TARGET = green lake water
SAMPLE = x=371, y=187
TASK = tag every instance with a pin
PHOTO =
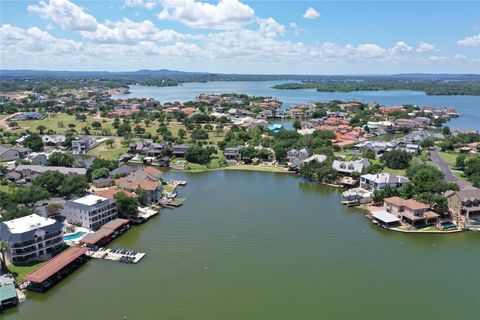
x=252, y=245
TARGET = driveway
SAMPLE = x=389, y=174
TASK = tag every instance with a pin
x=443, y=165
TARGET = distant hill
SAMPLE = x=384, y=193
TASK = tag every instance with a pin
x=185, y=76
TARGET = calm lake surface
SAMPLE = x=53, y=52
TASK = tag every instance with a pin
x=252, y=245
x=469, y=106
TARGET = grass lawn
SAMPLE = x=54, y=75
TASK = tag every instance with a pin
x=105, y=152
x=5, y=188
x=21, y=271
x=249, y=167
x=448, y=157
x=3, y=116
x=398, y=172
x=58, y=122
x=460, y=175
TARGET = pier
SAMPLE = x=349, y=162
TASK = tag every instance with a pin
x=120, y=255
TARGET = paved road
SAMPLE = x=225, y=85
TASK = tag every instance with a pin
x=443, y=165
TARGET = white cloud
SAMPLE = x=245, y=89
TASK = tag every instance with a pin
x=270, y=28
x=473, y=41
x=149, y=5
x=66, y=14
x=226, y=14
x=130, y=32
x=311, y=13
x=401, y=47
x=425, y=47
x=295, y=28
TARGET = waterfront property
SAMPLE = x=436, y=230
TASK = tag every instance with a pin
x=50, y=273
x=149, y=179
x=466, y=203
x=412, y=212
x=31, y=238
x=385, y=219
x=8, y=292
x=25, y=170
x=349, y=167
x=90, y=211
x=381, y=181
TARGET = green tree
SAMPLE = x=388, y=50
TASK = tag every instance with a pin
x=126, y=205
x=197, y=154
x=182, y=133
x=100, y=173
x=460, y=161
x=397, y=159
x=34, y=142
x=60, y=159
x=297, y=125
x=50, y=181
x=74, y=185
x=41, y=128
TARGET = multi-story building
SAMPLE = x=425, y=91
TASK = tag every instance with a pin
x=90, y=212
x=32, y=238
x=411, y=211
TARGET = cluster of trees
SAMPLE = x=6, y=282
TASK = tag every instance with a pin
x=20, y=200
x=430, y=87
x=397, y=159
x=197, y=154
x=319, y=172
x=459, y=140
x=470, y=167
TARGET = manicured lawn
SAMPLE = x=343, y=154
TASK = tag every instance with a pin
x=22, y=271
x=5, y=188
x=105, y=152
x=398, y=172
x=460, y=175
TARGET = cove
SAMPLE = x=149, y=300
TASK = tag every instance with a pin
x=256, y=245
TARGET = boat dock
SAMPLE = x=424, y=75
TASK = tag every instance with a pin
x=120, y=255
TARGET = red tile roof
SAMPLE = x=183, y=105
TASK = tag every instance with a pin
x=54, y=265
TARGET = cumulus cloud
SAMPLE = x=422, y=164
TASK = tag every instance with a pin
x=131, y=32
x=66, y=14
x=473, y=41
x=311, y=13
x=295, y=28
x=226, y=14
x=425, y=47
x=401, y=47
x=140, y=4
x=270, y=28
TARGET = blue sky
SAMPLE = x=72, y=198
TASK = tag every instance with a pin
x=314, y=37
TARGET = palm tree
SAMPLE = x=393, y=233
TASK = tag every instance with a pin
x=3, y=249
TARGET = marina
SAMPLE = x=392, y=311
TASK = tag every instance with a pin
x=119, y=255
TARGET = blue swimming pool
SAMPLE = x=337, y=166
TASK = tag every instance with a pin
x=74, y=236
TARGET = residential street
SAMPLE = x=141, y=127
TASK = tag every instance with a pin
x=443, y=165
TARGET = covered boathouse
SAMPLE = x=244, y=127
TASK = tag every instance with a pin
x=55, y=269
x=106, y=233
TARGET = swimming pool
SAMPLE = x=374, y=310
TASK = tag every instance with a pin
x=74, y=236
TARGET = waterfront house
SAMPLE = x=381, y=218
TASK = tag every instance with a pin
x=349, y=167
x=300, y=155
x=381, y=181
x=357, y=195
x=179, y=150
x=90, y=211
x=31, y=238
x=149, y=179
x=8, y=292
x=466, y=203
x=318, y=158
x=411, y=211
x=233, y=153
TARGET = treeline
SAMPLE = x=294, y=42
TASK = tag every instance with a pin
x=44, y=85
x=430, y=87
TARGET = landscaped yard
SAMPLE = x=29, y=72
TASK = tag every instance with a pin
x=448, y=157
x=398, y=172
x=105, y=152
x=22, y=271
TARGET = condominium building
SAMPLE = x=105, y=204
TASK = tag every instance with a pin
x=90, y=212
x=32, y=238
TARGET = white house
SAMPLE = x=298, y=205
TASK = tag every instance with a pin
x=90, y=212
x=348, y=167
x=32, y=238
x=381, y=181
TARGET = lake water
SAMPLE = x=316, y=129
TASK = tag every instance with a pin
x=252, y=245
x=469, y=106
